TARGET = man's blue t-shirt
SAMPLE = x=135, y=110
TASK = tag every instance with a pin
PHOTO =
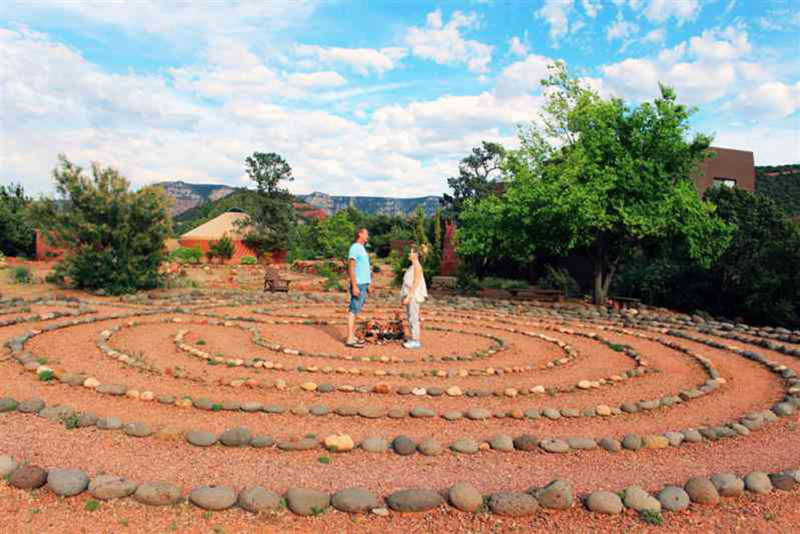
x=363, y=272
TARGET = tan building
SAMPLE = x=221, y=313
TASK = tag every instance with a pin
x=730, y=168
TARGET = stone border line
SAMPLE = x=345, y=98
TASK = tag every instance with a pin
x=302, y=501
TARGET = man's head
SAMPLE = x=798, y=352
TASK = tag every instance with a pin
x=362, y=234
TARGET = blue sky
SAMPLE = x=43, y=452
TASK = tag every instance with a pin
x=378, y=98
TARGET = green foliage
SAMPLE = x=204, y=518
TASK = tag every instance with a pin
x=466, y=279
x=71, y=422
x=91, y=505
x=494, y=282
x=559, y=278
x=114, y=237
x=782, y=185
x=46, y=376
x=651, y=517
x=477, y=177
x=17, y=236
x=333, y=280
x=599, y=177
x=324, y=459
x=272, y=214
x=334, y=235
x=186, y=255
x=21, y=274
x=756, y=278
x=222, y=249
x=399, y=262
x=420, y=236
x=249, y=260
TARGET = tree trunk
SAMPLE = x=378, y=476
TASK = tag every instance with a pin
x=600, y=286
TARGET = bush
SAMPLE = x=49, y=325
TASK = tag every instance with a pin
x=187, y=255
x=17, y=236
x=21, y=275
x=333, y=280
x=222, y=249
x=466, y=279
x=399, y=262
x=249, y=260
x=559, y=278
x=114, y=237
x=493, y=282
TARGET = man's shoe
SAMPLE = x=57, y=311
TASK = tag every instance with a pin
x=412, y=344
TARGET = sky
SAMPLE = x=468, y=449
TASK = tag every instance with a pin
x=367, y=98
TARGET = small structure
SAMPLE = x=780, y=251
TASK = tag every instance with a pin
x=228, y=224
x=730, y=168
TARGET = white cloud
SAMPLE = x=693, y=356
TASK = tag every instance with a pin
x=632, y=78
x=444, y=44
x=523, y=76
x=773, y=100
x=326, y=78
x=682, y=10
x=517, y=46
x=621, y=29
x=555, y=13
x=725, y=45
x=655, y=36
x=591, y=7
x=361, y=60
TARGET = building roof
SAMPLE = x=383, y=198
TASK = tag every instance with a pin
x=217, y=227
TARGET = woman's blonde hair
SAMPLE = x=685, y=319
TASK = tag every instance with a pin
x=420, y=250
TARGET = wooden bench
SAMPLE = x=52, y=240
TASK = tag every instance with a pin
x=274, y=282
x=626, y=302
x=551, y=295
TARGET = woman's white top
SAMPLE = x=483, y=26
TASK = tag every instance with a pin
x=408, y=283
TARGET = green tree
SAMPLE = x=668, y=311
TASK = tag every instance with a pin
x=114, y=237
x=271, y=215
x=599, y=177
x=420, y=236
x=477, y=177
x=334, y=236
x=222, y=248
x=17, y=236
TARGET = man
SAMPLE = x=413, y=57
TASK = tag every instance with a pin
x=360, y=278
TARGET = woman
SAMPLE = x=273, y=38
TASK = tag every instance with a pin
x=414, y=292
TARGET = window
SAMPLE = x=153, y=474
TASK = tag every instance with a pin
x=724, y=182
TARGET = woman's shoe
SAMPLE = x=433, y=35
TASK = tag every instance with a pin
x=412, y=344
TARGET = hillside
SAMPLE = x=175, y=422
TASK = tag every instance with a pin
x=782, y=184
x=188, y=196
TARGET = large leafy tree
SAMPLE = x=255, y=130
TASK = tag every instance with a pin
x=114, y=237
x=598, y=176
x=17, y=236
x=271, y=216
x=477, y=177
x=334, y=235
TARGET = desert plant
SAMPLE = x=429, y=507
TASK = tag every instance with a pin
x=222, y=249
x=21, y=274
x=187, y=255
x=249, y=260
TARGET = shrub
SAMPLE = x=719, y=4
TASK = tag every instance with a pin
x=114, y=236
x=17, y=236
x=249, y=260
x=332, y=277
x=493, y=282
x=187, y=255
x=21, y=274
x=222, y=249
x=559, y=278
x=466, y=280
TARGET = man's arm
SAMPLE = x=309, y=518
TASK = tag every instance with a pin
x=352, y=271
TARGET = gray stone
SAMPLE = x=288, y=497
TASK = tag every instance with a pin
x=251, y=406
x=673, y=498
x=557, y=495
x=56, y=413
x=675, y=438
x=452, y=415
x=526, y=442
x=67, y=482
x=403, y=445
x=28, y=477
x=7, y=404
x=414, y=500
x=201, y=438
x=784, y=409
x=691, y=435
x=422, y=412
x=116, y=390
x=465, y=446
x=86, y=420
x=430, y=447
x=354, y=500
x=236, y=437
x=554, y=445
x=158, y=494
x=478, y=414
x=583, y=444
x=374, y=444
x=257, y=499
x=465, y=497
x=31, y=406
x=7, y=465
x=307, y=501
x=610, y=444
x=728, y=485
x=261, y=441
x=758, y=482
x=502, y=443
x=783, y=481
x=137, y=429
x=551, y=413
x=513, y=504
x=604, y=502
x=213, y=497
x=108, y=487
x=639, y=500
x=702, y=491
x=109, y=423
x=302, y=444
x=632, y=442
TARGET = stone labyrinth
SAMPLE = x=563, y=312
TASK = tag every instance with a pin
x=509, y=409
